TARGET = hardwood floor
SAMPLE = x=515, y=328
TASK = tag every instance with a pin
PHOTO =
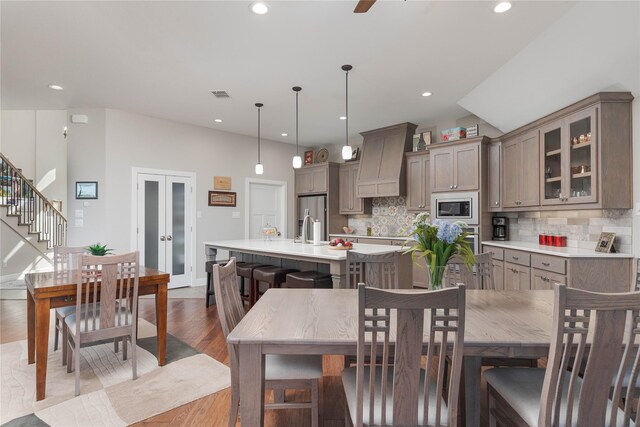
x=192, y=322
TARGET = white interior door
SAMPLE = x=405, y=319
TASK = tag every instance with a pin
x=267, y=205
x=165, y=225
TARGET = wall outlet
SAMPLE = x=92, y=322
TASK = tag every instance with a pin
x=235, y=215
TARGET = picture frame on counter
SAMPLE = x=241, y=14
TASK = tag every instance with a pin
x=222, y=198
x=421, y=141
x=605, y=242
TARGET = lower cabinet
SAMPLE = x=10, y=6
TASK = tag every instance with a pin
x=516, y=277
x=498, y=274
x=541, y=279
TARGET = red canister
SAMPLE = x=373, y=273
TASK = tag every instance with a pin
x=548, y=240
x=561, y=241
x=557, y=240
x=542, y=239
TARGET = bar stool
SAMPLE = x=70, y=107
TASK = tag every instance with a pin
x=274, y=276
x=308, y=279
x=208, y=267
x=245, y=270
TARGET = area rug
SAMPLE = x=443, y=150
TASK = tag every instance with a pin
x=108, y=395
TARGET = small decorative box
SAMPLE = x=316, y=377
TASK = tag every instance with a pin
x=453, y=134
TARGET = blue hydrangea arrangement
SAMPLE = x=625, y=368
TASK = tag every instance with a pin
x=436, y=242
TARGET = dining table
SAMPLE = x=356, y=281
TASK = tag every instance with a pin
x=499, y=324
x=47, y=290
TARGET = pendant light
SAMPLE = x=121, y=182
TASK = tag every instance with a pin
x=259, y=168
x=346, y=150
x=297, y=160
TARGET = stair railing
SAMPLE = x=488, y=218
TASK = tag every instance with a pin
x=23, y=200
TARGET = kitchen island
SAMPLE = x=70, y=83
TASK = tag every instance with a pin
x=304, y=257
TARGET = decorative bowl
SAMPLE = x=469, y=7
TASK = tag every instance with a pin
x=348, y=230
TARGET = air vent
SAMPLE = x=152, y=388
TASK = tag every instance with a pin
x=220, y=93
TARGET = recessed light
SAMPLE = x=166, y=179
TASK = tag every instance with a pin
x=284, y=134
x=343, y=117
x=502, y=7
x=259, y=8
x=218, y=120
x=426, y=94
x=55, y=87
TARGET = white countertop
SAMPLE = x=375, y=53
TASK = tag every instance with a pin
x=286, y=247
x=566, y=252
x=364, y=236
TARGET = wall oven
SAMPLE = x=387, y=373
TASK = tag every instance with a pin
x=459, y=206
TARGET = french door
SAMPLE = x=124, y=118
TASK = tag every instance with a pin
x=164, y=231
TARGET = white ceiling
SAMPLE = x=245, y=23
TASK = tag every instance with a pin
x=162, y=59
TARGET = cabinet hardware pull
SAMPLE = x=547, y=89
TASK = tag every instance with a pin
x=496, y=203
x=546, y=263
x=451, y=187
x=515, y=257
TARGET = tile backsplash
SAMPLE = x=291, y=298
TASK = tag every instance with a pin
x=389, y=217
x=582, y=228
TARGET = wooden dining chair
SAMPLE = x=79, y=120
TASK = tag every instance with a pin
x=114, y=279
x=458, y=272
x=375, y=270
x=557, y=396
x=64, y=261
x=282, y=372
x=401, y=393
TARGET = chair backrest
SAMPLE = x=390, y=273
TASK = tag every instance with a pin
x=637, y=286
x=612, y=322
x=375, y=270
x=458, y=272
x=65, y=259
x=377, y=323
x=114, y=278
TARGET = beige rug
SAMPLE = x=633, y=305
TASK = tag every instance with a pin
x=108, y=396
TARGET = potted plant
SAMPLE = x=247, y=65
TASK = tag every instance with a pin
x=99, y=250
x=437, y=242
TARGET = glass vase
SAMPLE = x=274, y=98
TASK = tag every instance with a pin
x=436, y=276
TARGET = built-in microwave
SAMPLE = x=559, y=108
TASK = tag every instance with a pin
x=459, y=206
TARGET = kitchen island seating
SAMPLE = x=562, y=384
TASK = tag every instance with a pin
x=400, y=392
x=115, y=278
x=308, y=279
x=272, y=275
x=375, y=270
x=281, y=371
x=556, y=396
x=245, y=272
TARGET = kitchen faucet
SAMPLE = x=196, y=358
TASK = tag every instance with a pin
x=305, y=222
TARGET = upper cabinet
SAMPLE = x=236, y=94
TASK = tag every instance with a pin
x=456, y=166
x=569, y=159
x=494, y=164
x=312, y=179
x=382, y=168
x=579, y=157
x=520, y=171
x=418, y=181
x=349, y=203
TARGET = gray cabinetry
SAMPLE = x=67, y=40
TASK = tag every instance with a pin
x=521, y=171
x=418, y=182
x=494, y=163
x=349, y=203
x=456, y=166
x=312, y=179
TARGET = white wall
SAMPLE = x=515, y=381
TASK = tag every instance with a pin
x=106, y=150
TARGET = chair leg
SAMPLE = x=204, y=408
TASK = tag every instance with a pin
x=134, y=364
x=124, y=348
x=208, y=288
x=55, y=338
x=492, y=410
x=65, y=338
x=314, y=403
x=348, y=422
x=69, y=356
x=235, y=405
x=77, y=366
x=115, y=345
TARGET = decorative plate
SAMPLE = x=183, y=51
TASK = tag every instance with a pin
x=322, y=155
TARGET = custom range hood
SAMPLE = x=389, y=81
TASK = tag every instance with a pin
x=382, y=166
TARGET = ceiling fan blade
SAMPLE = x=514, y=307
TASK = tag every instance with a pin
x=363, y=6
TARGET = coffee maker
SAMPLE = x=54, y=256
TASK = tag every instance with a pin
x=500, y=228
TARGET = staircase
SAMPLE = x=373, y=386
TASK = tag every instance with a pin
x=28, y=212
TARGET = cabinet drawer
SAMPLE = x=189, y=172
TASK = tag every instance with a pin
x=517, y=257
x=374, y=241
x=549, y=263
x=496, y=253
x=541, y=279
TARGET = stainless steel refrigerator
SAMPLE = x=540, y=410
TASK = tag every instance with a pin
x=317, y=206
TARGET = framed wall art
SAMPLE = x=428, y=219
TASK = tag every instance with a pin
x=222, y=198
x=86, y=189
x=308, y=157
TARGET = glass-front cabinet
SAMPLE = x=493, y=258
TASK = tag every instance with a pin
x=568, y=158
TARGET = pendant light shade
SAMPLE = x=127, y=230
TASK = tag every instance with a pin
x=346, y=149
x=297, y=160
x=259, y=167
